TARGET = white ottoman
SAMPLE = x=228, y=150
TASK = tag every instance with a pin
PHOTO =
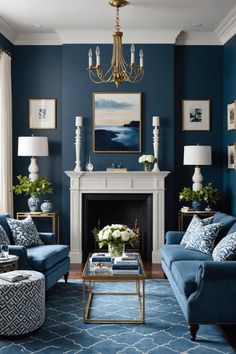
x=22, y=304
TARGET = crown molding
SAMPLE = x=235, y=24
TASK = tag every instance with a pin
x=198, y=38
x=7, y=31
x=38, y=39
x=227, y=28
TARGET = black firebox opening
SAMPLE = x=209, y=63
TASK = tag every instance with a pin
x=106, y=209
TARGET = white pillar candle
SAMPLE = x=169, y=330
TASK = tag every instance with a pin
x=155, y=121
x=78, y=121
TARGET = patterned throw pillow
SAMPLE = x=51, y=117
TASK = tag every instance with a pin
x=226, y=248
x=203, y=238
x=195, y=222
x=3, y=236
x=24, y=232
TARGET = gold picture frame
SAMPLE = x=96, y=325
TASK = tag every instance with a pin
x=231, y=116
x=117, y=122
x=232, y=156
x=42, y=113
x=195, y=115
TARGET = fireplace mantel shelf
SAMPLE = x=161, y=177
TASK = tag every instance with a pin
x=116, y=182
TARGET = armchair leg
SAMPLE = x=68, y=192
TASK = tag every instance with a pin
x=193, y=328
x=66, y=276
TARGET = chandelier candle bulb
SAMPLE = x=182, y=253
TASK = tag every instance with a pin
x=141, y=58
x=155, y=120
x=132, y=51
x=90, y=58
x=97, y=56
x=78, y=121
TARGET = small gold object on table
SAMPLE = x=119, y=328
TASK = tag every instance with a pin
x=8, y=263
x=91, y=275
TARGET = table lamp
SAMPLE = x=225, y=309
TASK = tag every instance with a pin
x=33, y=146
x=197, y=155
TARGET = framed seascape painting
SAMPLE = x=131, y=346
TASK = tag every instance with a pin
x=232, y=156
x=231, y=116
x=117, y=122
x=42, y=113
x=196, y=115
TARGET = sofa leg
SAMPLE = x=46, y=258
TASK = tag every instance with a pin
x=193, y=328
x=66, y=276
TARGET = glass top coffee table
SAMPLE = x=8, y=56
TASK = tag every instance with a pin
x=95, y=275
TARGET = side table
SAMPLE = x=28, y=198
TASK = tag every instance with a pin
x=54, y=217
x=9, y=264
x=186, y=216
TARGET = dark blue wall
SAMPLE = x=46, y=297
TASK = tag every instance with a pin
x=229, y=137
x=198, y=75
x=6, y=44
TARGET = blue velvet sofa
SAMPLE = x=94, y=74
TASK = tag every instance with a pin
x=50, y=259
x=204, y=289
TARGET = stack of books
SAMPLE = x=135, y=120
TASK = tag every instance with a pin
x=14, y=277
x=185, y=209
x=125, y=265
x=101, y=259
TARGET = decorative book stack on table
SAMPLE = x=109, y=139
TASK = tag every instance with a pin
x=128, y=264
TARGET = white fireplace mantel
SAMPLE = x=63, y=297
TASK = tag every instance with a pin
x=116, y=182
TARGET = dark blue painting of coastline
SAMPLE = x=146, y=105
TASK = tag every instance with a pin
x=117, y=138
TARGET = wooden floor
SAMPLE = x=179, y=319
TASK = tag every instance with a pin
x=154, y=271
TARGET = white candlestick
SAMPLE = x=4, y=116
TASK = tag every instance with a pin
x=155, y=121
x=155, y=146
x=77, y=148
x=78, y=121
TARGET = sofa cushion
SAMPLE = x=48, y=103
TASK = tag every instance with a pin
x=3, y=237
x=45, y=257
x=232, y=229
x=228, y=221
x=203, y=238
x=172, y=253
x=226, y=248
x=194, y=223
x=184, y=273
x=24, y=232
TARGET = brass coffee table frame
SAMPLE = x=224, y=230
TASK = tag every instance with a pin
x=89, y=292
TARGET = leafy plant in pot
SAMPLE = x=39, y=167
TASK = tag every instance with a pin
x=207, y=194
x=32, y=188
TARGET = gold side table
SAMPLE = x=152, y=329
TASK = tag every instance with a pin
x=186, y=216
x=37, y=214
x=9, y=264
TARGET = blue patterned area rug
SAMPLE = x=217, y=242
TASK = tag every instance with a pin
x=165, y=330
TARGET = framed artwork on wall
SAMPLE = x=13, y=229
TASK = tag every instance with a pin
x=195, y=115
x=231, y=115
x=117, y=122
x=232, y=156
x=42, y=113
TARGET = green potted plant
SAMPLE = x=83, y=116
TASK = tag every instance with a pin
x=208, y=194
x=211, y=195
x=32, y=188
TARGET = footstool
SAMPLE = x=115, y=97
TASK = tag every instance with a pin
x=22, y=304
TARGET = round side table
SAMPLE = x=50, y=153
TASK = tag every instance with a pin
x=9, y=264
x=22, y=304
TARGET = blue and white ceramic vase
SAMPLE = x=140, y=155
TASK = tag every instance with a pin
x=46, y=206
x=33, y=203
x=196, y=205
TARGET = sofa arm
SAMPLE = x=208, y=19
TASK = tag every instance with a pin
x=174, y=237
x=217, y=271
x=48, y=238
x=20, y=251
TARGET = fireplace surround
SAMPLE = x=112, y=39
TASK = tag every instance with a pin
x=120, y=183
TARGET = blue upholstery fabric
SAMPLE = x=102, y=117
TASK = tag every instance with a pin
x=172, y=253
x=184, y=273
x=174, y=237
x=227, y=220
x=3, y=222
x=232, y=229
x=43, y=258
x=3, y=237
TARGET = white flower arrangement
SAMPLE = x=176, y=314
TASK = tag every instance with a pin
x=115, y=234
x=148, y=159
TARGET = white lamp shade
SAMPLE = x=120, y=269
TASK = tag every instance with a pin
x=197, y=155
x=32, y=146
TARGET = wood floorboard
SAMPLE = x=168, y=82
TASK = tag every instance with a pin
x=154, y=271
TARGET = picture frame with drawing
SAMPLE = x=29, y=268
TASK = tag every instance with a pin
x=195, y=115
x=232, y=156
x=231, y=115
x=42, y=113
x=117, y=122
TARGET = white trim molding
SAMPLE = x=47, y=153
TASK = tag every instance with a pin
x=7, y=31
x=123, y=182
x=227, y=28
x=198, y=38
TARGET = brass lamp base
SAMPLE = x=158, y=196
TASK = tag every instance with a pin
x=118, y=3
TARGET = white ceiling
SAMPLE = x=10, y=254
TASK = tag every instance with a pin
x=147, y=21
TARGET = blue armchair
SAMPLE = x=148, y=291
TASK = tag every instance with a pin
x=50, y=259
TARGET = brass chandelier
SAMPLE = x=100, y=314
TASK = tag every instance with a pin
x=119, y=71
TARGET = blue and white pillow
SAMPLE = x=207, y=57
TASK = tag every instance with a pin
x=194, y=223
x=203, y=238
x=24, y=232
x=226, y=249
x=3, y=236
